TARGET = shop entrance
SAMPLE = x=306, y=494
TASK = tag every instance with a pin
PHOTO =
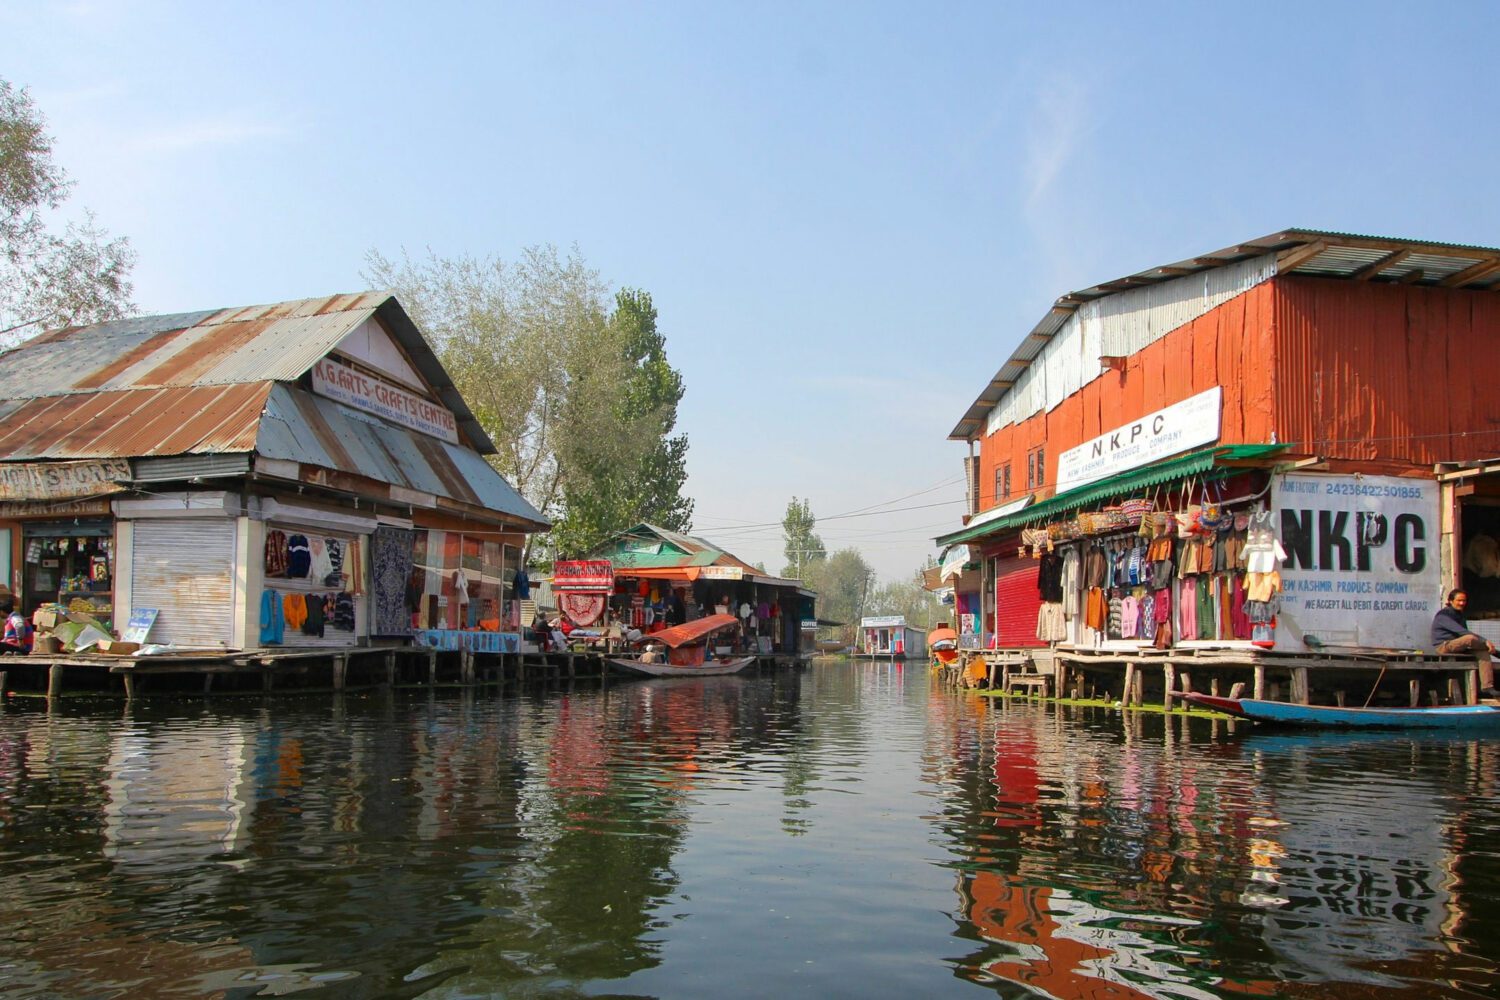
x=69, y=563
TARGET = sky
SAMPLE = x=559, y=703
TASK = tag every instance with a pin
x=848, y=214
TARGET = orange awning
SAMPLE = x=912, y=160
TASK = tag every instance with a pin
x=680, y=635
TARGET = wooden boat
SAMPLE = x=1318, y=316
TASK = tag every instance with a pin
x=1281, y=713
x=829, y=646
x=687, y=647
x=943, y=643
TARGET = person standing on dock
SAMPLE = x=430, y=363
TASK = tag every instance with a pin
x=1451, y=634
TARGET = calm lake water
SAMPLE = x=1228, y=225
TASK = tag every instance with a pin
x=848, y=830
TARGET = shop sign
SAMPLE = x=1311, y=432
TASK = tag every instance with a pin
x=583, y=574
x=883, y=621
x=47, y=508
x=721, y=573
x=344, y=384
x=1167, y=432
x=47, y=480
x=1361, y=563
x=957, y=559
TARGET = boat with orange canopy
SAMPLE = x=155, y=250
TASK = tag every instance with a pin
x=943, y=642
x=686, y=652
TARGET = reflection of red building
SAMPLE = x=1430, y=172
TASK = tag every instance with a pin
x=1016, y=782
x=1060, y=946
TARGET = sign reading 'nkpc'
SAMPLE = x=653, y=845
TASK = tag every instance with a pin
x=344, y=384
x=1168, y=431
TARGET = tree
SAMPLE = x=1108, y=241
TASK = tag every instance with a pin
x=580, y=401
x=842, y=582
x=911, y=599
x=803, y=548
x=46, y=279
x=642, y=480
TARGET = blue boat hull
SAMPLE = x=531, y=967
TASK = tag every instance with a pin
x=1465, y=717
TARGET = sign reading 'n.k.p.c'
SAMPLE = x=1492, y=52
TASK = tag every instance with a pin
x=344, y=384
x=1184, y=425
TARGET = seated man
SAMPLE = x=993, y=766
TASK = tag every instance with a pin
x=1450, y=634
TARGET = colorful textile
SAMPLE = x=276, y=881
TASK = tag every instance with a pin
x=581, y=608
x=390, y=572
x=272, y=619
x=276, y=555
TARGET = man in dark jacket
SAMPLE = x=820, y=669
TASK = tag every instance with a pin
x=1450, y=634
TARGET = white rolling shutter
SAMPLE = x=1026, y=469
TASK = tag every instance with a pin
x=184, y=567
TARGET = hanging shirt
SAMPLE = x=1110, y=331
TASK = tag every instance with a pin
x=272, y=619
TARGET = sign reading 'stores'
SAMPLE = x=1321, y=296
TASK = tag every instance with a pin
x=344, y=384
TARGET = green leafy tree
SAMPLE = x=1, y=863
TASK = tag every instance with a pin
x=803, y=547
x=843, y=582
x=641, y=479
x=911, y=598
x=579, y=399
x=49, y=279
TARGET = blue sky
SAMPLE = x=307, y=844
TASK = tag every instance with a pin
x=848, y=214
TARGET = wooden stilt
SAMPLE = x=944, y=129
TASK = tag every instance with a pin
x=129, y=687
x=1260, y=681
x=432, y=667
x=1237, y=689
x=1299, y=686
x=1139, y=694
x=1129, y=691
x=1169, y=680
x=208, y=683
x=1338, y=698
x=1184, y=682
x=55, y=680
x=1471, y=687
x=2, y=682
x=340, y=672
x=1414, y=692
x=1213, y=686
x=267, y=680
x=390, y=669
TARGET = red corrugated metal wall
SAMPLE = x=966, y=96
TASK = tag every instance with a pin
x=1392, y=373
x=1017, y=603
x=1230, y=346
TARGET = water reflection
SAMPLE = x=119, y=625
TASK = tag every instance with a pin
x=844, y=829
x=1132, y=856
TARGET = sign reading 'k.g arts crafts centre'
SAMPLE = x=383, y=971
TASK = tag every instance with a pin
x=1184, y=425
x=339, y=382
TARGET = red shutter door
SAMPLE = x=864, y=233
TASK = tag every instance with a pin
x=1017, y=603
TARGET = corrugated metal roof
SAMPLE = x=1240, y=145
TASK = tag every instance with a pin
x=134, y=423
x=313, y=430
x=267, y=343
x=1301, y=251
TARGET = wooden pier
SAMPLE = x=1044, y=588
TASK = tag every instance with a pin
x=269, y=670
x=1314, y=677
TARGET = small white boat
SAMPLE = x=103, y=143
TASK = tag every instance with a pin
x=686, y=652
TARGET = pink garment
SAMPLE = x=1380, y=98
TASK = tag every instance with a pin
x=1187, y=609
x=1163, y=608
x=1237, y=617
x=1130, y=618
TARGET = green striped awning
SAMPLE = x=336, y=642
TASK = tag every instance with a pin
x=1205, y=462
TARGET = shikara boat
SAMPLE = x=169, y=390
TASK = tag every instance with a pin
x=943, y=644
x=1470, y=717
x=687, y=649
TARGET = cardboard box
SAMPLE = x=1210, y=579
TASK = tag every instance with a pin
x=116, y=647
x=45, y=619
